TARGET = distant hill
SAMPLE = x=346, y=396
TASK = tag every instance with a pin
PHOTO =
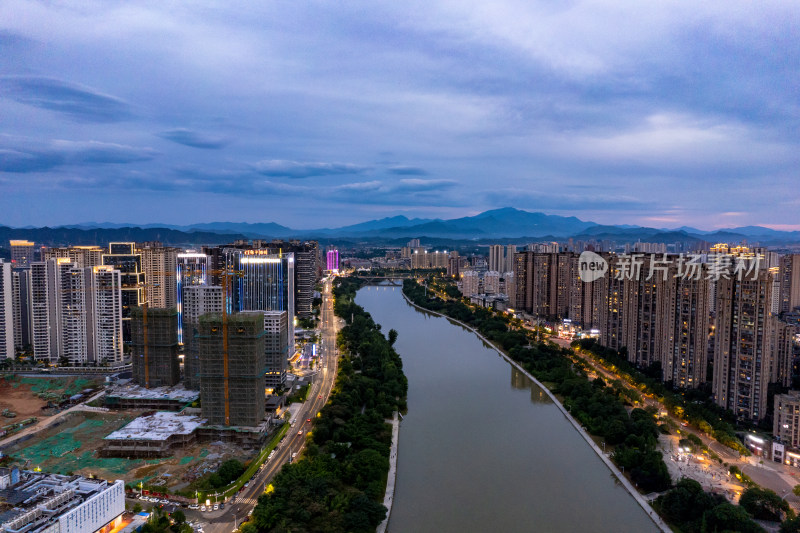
x=505, y=224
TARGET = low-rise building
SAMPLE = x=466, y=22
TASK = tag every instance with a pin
x=36, y=502
x=154, y=435
x=131, y=396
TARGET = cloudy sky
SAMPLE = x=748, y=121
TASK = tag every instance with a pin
x=316, y=114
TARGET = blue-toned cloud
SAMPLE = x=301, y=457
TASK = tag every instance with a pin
x=22, y=156
x=194, y=139
x=407, y=171
x=612, y=111
x=75, y=101
x=281, y=168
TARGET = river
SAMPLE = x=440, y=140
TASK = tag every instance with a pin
x=484, y=449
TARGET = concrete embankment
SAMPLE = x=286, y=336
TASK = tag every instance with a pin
x=606, y=460
x=388, y=497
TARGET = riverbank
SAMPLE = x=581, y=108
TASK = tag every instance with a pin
x=388, y=497
x=606, y=460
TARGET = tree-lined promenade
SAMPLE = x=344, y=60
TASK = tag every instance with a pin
x=339, y=482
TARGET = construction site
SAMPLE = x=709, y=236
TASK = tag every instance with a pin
x=75, y=444
x=232, y=367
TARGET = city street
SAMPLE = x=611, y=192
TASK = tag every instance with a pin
x=227, y=520
x=766, y=473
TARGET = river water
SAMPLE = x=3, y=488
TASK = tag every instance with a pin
x=482, y=448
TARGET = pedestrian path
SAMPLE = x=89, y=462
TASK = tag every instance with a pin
x=390, y=482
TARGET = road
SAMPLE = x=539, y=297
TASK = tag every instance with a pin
x=225, y=521
x=765, y=472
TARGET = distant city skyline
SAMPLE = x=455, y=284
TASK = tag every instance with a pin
x=317, y=115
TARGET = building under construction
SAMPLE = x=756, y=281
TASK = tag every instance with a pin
x=155, y=358
x=232, y=372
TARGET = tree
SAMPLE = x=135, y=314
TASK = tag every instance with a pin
x=179, y=517
x=686, y=502
x=230, y=470
x=729, y=517
x=392, y=337
x=137, y=508
x=796, y=490
x=764, y=504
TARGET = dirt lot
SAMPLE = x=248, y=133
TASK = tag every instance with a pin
x=20, y=399
x=27, y=396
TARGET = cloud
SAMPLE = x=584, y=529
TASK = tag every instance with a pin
x=419, y=185
x=194, y=139
x=20, y=156
x=407, y=171
x=280, y=168
x=575, y=202
x=78, y=102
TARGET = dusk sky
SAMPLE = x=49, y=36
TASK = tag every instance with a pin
x=321, y=114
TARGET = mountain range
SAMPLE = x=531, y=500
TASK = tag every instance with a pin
x=506, y=224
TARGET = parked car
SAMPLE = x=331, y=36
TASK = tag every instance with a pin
x=203, y=508
x=222, y=506
x=194, y=507
x=216, y=507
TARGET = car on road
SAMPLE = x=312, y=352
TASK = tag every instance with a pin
x=308, y=420
x=163, y=501
x=271, y=455
x=194, y=507
x=299, y=433
x=247, y=484
x=203, y=508
x=216, y=507
x=222, y=506
x=319, y=397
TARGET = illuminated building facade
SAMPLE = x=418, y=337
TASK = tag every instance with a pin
x=21, y=253
x=263, y=282
x=333, y=260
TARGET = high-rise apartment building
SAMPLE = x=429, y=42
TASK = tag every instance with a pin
x=786, y=418
x=496, y=258
x=104, y=317
x=232, y=381
x=453, y=264
x=21, y=307
x=191, y=269
x=159, y=264
x=491, y=282
x=508, y=264
x=76, y=313
x=21, y=253
x=276, y=348
x=123, y=257
x=743, y=339
x=198, y=300
x=154, y=347
x=7, y=350
x=81, y=256
x=470, y=283
x=789, y=282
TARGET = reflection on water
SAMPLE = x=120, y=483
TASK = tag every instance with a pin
x=474, y=454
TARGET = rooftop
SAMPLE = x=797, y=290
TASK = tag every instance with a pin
x=159, y=426
x=130, y=390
